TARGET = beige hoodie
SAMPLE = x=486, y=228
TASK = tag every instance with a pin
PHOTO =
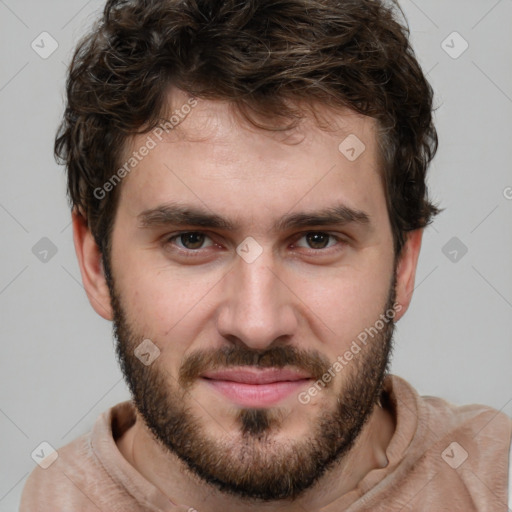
x=441, y=458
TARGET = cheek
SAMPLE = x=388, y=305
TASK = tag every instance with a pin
x=345, y=303
x=167, y=307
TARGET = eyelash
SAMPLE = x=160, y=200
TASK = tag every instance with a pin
x=192, y=253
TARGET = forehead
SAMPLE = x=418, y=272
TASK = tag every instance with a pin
x=209, y=154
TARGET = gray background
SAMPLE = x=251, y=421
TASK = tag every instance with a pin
x=58, y=370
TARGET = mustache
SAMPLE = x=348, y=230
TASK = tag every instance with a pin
x=201, y=361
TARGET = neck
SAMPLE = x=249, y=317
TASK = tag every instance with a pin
x=166, y=472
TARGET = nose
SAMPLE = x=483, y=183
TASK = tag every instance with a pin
x=258, y=308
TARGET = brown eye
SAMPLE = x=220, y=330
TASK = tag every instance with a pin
x=318, y=240
x=191, y=241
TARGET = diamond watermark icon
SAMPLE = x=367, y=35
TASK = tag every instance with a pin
x=454, y=250
x=454, y=45
x=249, y=250
x=146, y=352
x=44, y=250
x=352, y=147
x=44, y=455
x=454, y=455
x=44, y=45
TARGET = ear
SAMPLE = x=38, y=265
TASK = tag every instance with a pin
x=91, y=266
x=406, y=270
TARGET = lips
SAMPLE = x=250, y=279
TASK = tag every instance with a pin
x=256, y=387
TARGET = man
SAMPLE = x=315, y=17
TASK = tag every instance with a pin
x=247, y=181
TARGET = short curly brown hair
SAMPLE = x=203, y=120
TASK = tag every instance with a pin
x=264, y=56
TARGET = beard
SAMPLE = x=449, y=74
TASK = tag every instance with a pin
x=253, y=464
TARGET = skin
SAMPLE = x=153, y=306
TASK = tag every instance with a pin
x=310, y=298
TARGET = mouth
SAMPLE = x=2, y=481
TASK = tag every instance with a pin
x=256, y=387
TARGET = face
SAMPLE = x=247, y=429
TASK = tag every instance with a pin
x=261, y=268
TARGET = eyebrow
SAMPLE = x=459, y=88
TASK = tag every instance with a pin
x=178, y=215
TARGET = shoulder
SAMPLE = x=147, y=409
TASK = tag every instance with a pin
x=59, y=484
x=444, y=417
x=462, y=449
x=475, y=420
x=79, y=478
